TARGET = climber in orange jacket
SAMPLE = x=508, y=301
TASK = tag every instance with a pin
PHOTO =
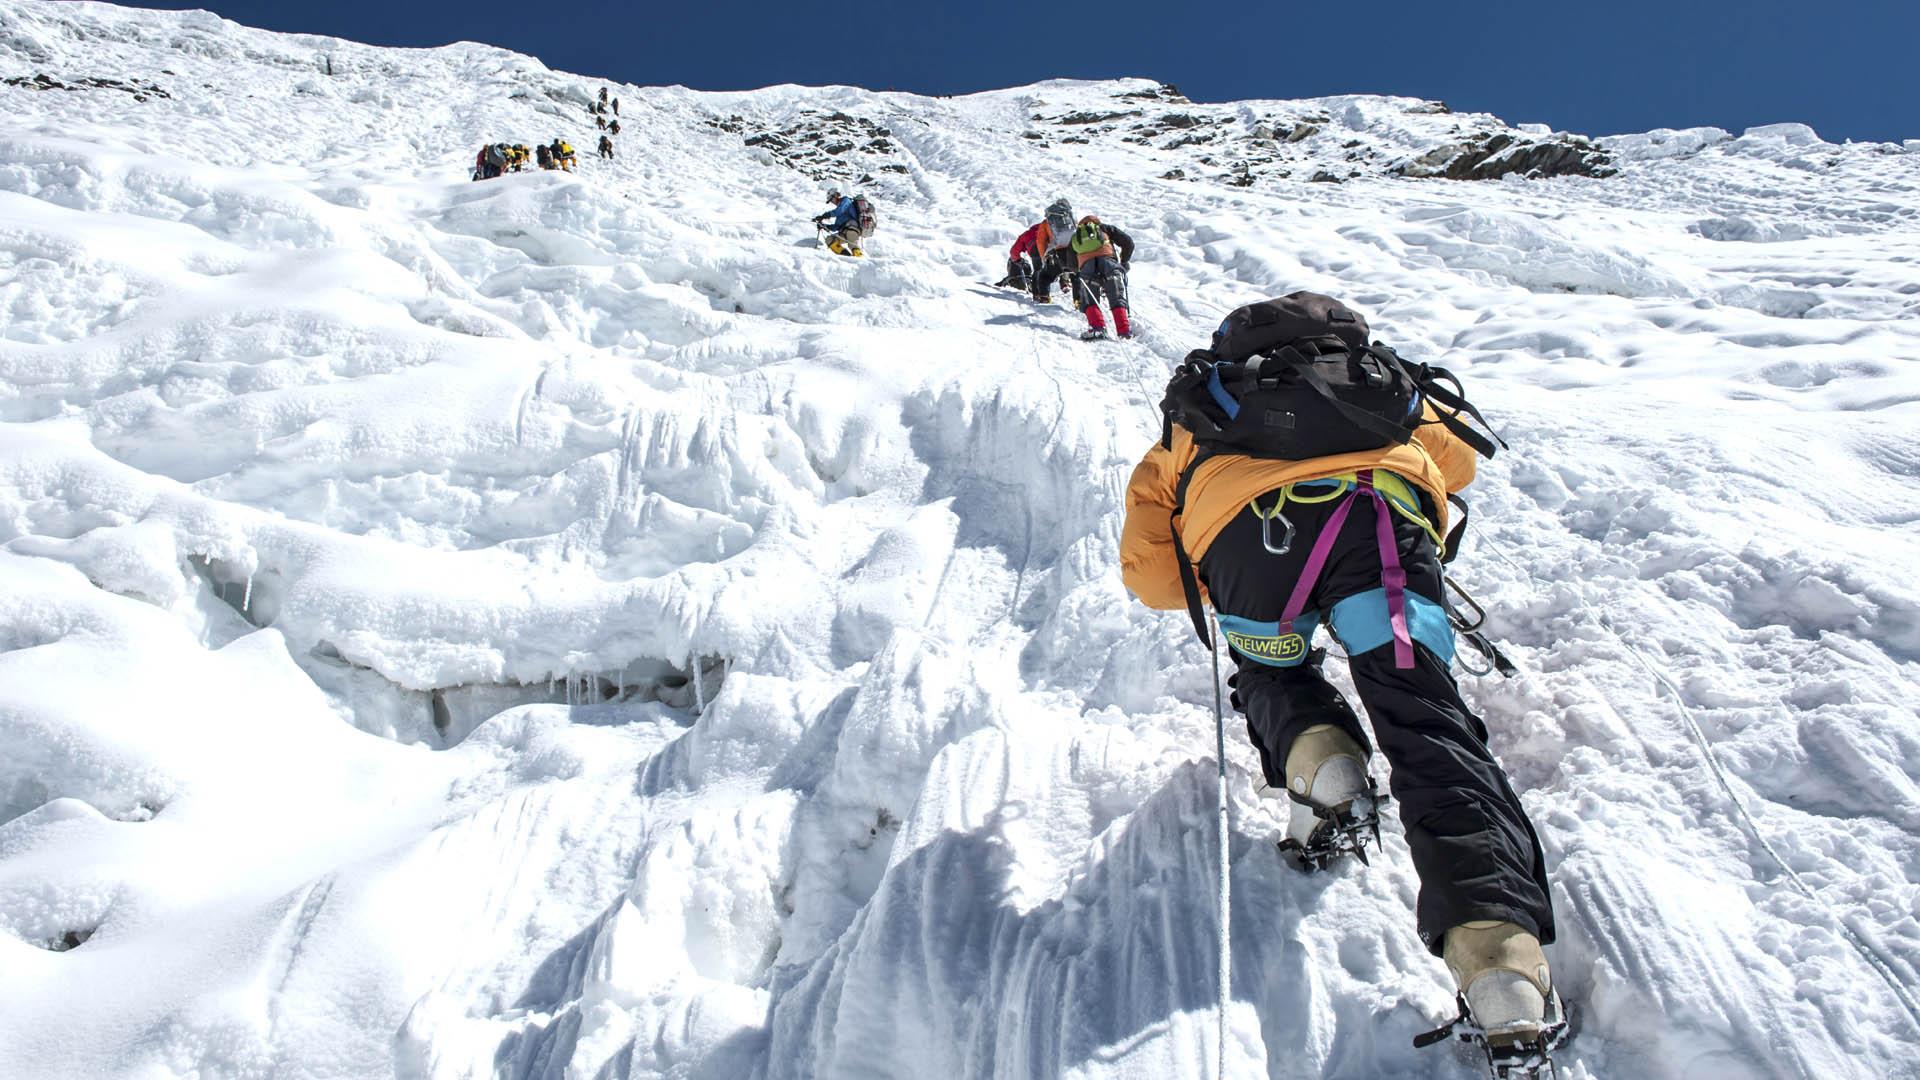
x=1293, y=487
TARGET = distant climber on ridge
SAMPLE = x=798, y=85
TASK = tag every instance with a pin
x=849, y=222
x=1102, y=272
x=1291, y=487
x=606, y=147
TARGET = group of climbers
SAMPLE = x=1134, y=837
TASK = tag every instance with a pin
x=1303, y=478
x=558, y=155
x=1093, y=257
x=599, y=110
x=498, y=159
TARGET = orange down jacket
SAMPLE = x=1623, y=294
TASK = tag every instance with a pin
x=1436, y=461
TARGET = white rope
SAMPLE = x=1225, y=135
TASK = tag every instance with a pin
x=1225, y=916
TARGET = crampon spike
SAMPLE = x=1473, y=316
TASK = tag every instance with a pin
x=1508, y=1058
x=1340, y=832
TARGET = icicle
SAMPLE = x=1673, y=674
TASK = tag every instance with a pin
x=699, y=690
x=246, y=597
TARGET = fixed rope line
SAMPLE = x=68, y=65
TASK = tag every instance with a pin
x=1874, y=958
x=1225, y=940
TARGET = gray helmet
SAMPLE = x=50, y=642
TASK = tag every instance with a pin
x=1060, y=214
x=833, y=194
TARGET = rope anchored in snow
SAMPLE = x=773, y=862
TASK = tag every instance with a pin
x=1225, y=940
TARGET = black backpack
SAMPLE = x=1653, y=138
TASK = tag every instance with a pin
x=1298, y=378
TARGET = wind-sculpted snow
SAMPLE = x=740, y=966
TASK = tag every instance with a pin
x=573, y=625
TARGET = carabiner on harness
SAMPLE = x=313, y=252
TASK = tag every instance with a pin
x=1267, y=518
x=1266, y=533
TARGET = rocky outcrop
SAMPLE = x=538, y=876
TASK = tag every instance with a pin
x=1163, y=92
x=1493, y=155
x=824, y=146
x=43, y=81
x=1084, y=117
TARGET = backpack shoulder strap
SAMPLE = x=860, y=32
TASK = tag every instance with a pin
x=1458, y=533
x=1432, y=382
x=1189, y=582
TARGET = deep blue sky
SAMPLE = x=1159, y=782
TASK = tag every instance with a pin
x=1848, y=67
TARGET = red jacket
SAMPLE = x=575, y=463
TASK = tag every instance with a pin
x=1029, y=241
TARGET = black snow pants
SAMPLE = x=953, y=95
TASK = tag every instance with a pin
x=1105, y=276
x=1019, y=273
x=1474, y=849
x=1060, y=261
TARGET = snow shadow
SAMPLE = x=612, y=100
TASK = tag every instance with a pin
x=1125, y=948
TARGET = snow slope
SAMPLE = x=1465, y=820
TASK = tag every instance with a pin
x=571, y=625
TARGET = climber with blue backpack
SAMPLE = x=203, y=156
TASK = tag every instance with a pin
x=849, y=222
x=1303, y=479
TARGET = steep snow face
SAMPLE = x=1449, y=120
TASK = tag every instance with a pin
x=573, y=624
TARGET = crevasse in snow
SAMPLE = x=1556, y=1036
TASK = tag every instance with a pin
x=573, y=625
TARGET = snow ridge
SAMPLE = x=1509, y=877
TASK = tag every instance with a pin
x=573, y=625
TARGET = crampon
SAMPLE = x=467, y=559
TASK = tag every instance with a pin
x=1339, y=832
x=1510, y=1055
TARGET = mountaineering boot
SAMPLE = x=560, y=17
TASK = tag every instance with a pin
x=834, y=245
x=1502, y=973
x=1094, y=333
x=1333, y=804
x=1325, y=771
